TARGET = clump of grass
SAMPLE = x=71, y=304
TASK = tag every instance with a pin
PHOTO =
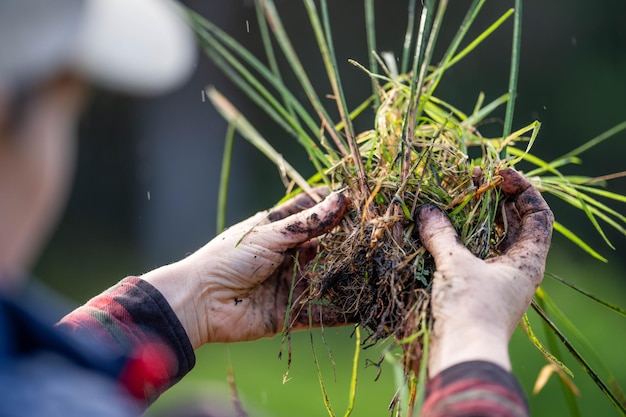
x=374, y=267
x=418, y=150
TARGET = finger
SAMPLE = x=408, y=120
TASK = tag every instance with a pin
x=440, y=239
x=477, y=176
x=296, y=204
x=307, y=251
x=289, y=207
x=518, y=188
x=300, y=227
x=513, y=224
x=531, y=240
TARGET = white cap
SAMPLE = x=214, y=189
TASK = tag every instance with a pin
x=137, y=46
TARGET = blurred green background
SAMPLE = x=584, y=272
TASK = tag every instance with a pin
x=147, y=182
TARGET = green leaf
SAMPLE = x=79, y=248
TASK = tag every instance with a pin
x=594, y=221
x=296, y=65
x=232, y=115
x=212, y=38
x=566, y=388
x=613, y=307
x=480, y=113
x=224, y=176
x=468, y=20
x=477, y=41
x=603, y=193
x=355, y=372
x=370, y=30
x=537, y=343
x=612, y=394
x=408, y=37
x=577, y=200
x=597, y=140
x=513, y=73
x=571, y=236
x=325, y=45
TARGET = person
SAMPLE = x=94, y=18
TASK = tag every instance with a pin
x=115, y=355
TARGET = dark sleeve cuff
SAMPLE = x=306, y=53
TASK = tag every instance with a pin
x=134, y=318
x=154, y=314
x=475, y=388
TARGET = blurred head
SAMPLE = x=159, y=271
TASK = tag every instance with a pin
x=50, y=52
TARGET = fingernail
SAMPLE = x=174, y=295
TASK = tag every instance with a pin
x=427, y=210
x=339, y=198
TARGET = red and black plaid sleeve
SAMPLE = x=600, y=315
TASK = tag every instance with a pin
x=133, y=317
x=474, y=389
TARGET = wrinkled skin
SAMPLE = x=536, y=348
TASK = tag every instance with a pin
x=237, y=286
x=476, y=303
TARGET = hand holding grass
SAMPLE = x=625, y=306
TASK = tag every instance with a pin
x=477, y=303
x=237, y=286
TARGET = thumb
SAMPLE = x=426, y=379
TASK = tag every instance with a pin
x=302, y=226
x=440, y=239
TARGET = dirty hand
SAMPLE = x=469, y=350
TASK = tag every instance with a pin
x=477, y=303
x=237, y=286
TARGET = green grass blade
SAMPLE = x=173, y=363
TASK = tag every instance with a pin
x=581, y=361
x=445, y=110
x=544, y=166
x=514, y=72
x=525, y=323
x=254, y=89
x=285, y=332
x=325, y=45
x=613, y=307
x=355, y=372
x=479, y=102
x=597, y=209
x=267, y=40
x=612, y=394
x=418, y=58
x=408, y=38
x=360, y=109
x=370, y=31
x=410, y=115
x=480, y=113
x=568, y=394
x=604, y=193
x=320, y=378
x=423, y=373
x=428, y=57
x=323, y=36
x=270, y=54
x=518, y=135
x=478, y=40
x=400, y=399
x=468, y=20
x=296, y=65
x=603, y=212
x=272, y=107
x=385, y=78
x=578, y=241
x=224, y=176
x=597, y=140
x=588, y=212
x=232, y=115
x=424, y=50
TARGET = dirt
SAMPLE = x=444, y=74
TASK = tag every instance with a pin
x=378, y=283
